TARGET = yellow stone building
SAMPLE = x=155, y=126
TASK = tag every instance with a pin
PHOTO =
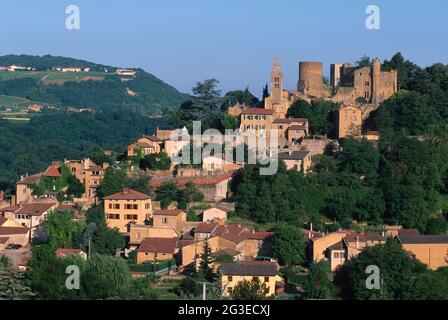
x=264, y=271
x=127, y=207
x=349, y=121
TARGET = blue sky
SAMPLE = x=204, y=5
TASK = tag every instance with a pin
x=235, y=41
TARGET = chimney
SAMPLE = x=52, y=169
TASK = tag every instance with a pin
x=125, y=190
x=357, y=242
x=290, y=152
x=311, y=227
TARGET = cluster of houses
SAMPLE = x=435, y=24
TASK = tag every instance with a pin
x=341, y=246
x=157, y=234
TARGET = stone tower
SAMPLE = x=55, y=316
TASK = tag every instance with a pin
x=276, y=82
x=376, y=76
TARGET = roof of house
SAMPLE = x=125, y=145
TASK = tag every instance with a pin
x=294, y=155
x=365, y=236
x=33, y=179
x=61, y=252
x=35, y=209
x=52, y=172
x=206, y=227
x=336, y=246
x=128, y=194
x=2, y=220
x=423, y=239
x=172, y=212
x=408, y=232
x=144, y=145
x=3, y=240
x=257, y=235
x=252, y=268
x=13, y=208
x=219, y=207
x=159, y=245
x=258, y=111
x=227, y=251
x=202, y=180
x=13, y=230
x=290, y=120
x=152, y=138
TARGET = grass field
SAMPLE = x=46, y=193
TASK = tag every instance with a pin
x=11, y=100
x=53, y=77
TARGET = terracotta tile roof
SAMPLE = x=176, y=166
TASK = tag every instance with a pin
x=6, y=231
x=231, y=232
x=295, y=155
x=258, y=111
x=219, y=207
x=3, y=240
x=252, y=268
x=290, y=120
x=336, y=246
x=33, y=179
x=173, y=212
x=182, y=181
x=422, y=239
x=128, y=195
x=52, y=172
x=408, y=232
x=257, y=235
x=13, y=208
x=206, y=227
x=183, y=243
x=366, y=236
x=62, y=252
x=152, y=138
x=227, y=251
x=35, y=209
x=158, y=245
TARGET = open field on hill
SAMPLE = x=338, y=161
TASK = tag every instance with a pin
x=53, y=77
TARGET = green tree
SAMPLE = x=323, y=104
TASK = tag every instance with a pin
x=288, y=244
x=166, y=194
x=97, y=155
x=107, y=277
x=397, y=269
x=318, y=284
x=189, y=287
x=75, y=187
x=156, y=161
x=250, y=290
x=62, y=229
x=13, y=285
x=205, y=261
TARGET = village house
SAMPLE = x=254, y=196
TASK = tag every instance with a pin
x=169, y=219
x=296, y=160
x=264, y=271
x=29, y=215
x=138, y=232
x=217, y=165
x=127, y=207
x=257, y=121
x=156, y=249
x=432, y=250
x=214, y=187
x=215, y=213
x=249, y=244
x=145, y=145
x=12, y=232
x=88, y=173
x=24, y=191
